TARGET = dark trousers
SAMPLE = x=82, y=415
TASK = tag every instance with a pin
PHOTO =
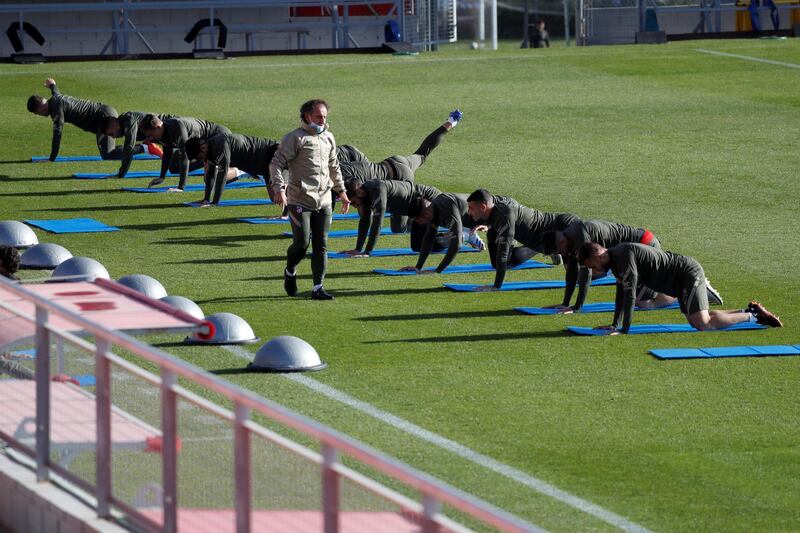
x=519, y=254
x=441, y=241
x=309, y=227
x=405, y=166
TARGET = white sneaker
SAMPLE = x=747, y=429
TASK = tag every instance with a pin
x=474, y=240
x=714, y=297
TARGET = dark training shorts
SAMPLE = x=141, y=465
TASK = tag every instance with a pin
x=693, y=296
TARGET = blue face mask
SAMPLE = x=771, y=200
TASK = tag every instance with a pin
x=316, y=127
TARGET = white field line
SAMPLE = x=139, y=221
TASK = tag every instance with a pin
x=458, y=449
x=747, y=58
x=226, y=65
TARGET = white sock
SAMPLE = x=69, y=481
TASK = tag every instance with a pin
x=453, y=123
x=752, y=318
x=286, y=270
x=316, y=287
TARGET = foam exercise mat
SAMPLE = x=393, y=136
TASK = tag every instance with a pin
x=68, y=158
x=662, y=328
x=598, y=307
x=72, y=225
x=265, y=220
x=463, y=269
x=348, y=233
x=387, y=252
x=726, y=351
x=526, y=285
x=234, y=203
x=139, y=174
x=198, y=187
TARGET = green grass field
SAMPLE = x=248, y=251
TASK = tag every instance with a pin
x=701, y=149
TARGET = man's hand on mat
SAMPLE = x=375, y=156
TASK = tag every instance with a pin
x=485, y=288
x=155, y=181
x=174, y=189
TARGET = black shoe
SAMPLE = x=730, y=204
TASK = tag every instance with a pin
x=290, y=283
x=763, y=316
x=320, y=294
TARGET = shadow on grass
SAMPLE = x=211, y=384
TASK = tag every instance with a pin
x=231, y=371
x=429, y=316
x=188, y=224
x=112, y=208
x=306, y=295
x=9, y=179
x=389, y=292
x=329, y=275
x=483, y=337
x=39, y=194
x=223, y=241
x=11, y=162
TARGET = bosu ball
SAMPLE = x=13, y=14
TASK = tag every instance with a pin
x=286, y=354
x=229, y=329
x=16, y=234
x=185, y=305
x=80, y=269
x=145, y=284
x=44, y=256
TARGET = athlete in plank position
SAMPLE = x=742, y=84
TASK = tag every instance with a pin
x=679, y=276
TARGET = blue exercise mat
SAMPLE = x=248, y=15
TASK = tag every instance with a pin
x=24, y=354
x=198, y=187
x=526, y=285
x=234, y=203
x=66, y=158
x=661, y=328
x=726, y=351
x=463, y=269
x=599, y=307
x=264, y=220
x=85, y=380
x=139, y=174
x=72, y=225
x=388, y=252
x=348, y=233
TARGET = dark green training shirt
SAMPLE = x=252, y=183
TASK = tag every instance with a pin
x=250, y=154
x=129, y=122
x=606, y=234
x=85, y=114
x=393, y=196
x=513, y=221
x=177, y=131
x=349, y=154
x=635, y=264
x=364, y=171
x=449, y=211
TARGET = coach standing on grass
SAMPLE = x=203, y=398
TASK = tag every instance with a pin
x=309, y=153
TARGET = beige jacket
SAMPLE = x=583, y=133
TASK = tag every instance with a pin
x=313, y=168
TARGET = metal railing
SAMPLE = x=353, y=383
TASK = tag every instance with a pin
x=434, y=493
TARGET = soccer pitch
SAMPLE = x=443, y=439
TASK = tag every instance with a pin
x=696, y=141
